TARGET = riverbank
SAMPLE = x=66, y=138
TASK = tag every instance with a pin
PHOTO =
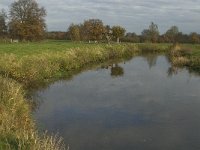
x=37, y=68
x=185, y=56
x=22, y=70
x=18, y=130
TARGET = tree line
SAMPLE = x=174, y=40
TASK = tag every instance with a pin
x=94, y=30
x=90, y=28
x=26, y=22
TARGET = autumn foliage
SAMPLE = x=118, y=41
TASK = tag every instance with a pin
x=27, y=20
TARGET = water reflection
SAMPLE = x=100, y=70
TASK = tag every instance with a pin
x=151, y=59
x=143, y=109
x=117, y=70
x=172, y=71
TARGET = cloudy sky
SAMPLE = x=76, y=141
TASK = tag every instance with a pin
x=134, y=15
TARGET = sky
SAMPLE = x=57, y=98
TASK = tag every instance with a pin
x=134, y=15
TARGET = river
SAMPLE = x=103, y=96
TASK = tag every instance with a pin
x=139, y=104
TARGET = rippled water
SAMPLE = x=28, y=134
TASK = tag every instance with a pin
x=141, y=104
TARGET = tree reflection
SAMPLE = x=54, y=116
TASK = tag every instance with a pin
x=151, y=59
x=172, y=71
x=117, y=70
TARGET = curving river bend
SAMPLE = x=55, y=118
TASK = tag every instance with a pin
x=140, y=104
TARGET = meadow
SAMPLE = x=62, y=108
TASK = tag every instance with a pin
x=26, y=65
x=29, y=48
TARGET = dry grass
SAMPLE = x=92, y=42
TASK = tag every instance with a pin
x=185, y=56
x=180, y=61
x=35, y=69
x=178, y=55
x=17, y=128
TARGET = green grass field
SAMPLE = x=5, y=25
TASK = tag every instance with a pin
x=194, y=48
x=22, y=49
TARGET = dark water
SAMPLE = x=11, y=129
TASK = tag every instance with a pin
x=142, y=104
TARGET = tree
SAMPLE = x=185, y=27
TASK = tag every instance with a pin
x=3, y=27
x=56, y=35
x=108, y=33
x=154, y=32
x=182, y=38
x=83, y=33
x=171, y=34
x=93, y=29
x=194, y=38
x=151, y=34
x=118, y=32
x=146, y=35
x=74, y=32
x=131, y=37
x=27, y=20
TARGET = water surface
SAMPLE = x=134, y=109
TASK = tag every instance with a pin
x=141, y=104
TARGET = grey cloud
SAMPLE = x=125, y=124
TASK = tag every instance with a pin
x=134, y=15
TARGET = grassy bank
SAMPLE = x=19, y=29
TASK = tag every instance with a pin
x=31, y=64
x=18, y=131
x=186, y=56
x=34, y=69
